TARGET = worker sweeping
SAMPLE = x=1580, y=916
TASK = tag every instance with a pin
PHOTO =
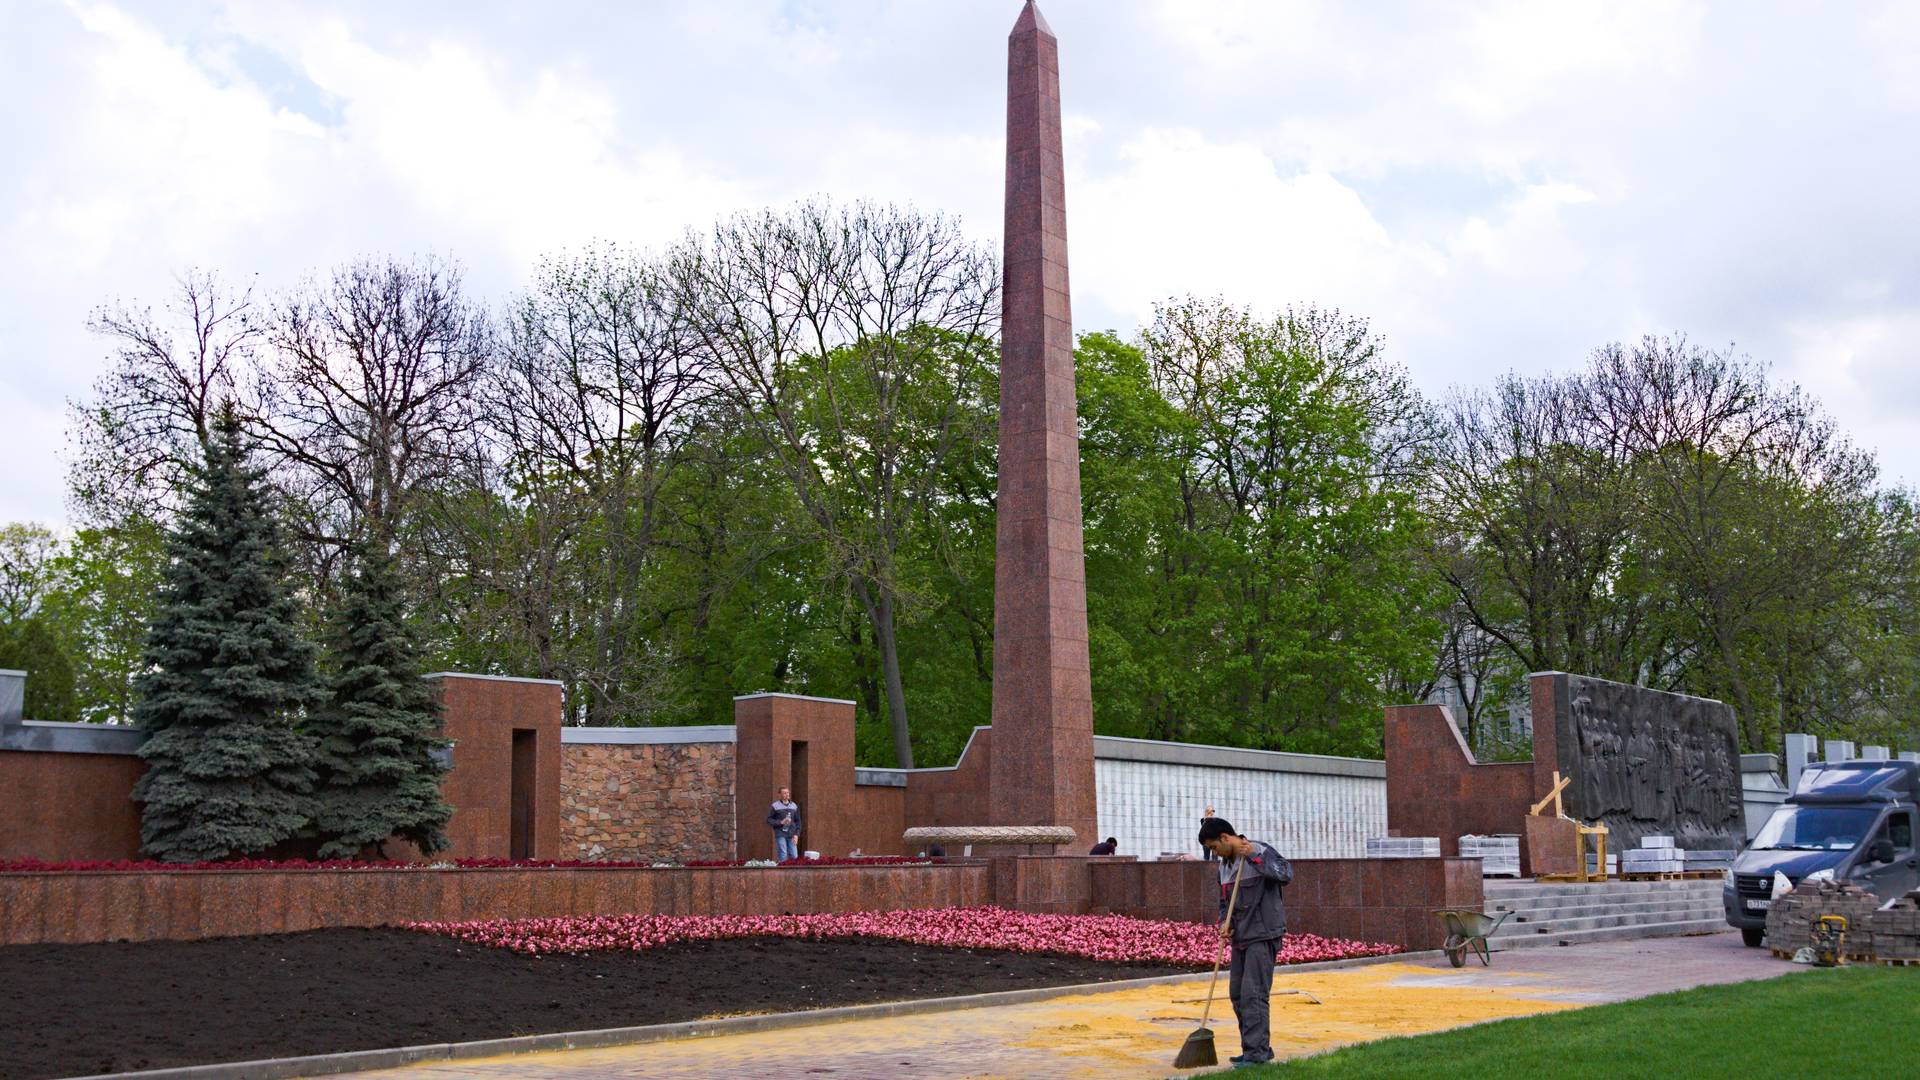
x=1258, y=922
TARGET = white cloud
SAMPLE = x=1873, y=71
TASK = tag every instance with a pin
x=1895, y=34
x=528, y=162
x=1184, y=215
x=1497, y=189
x=1862, y=365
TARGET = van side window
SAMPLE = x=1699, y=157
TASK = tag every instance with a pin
x=1900, y=830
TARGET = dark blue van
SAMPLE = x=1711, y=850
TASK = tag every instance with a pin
x=1851, y=819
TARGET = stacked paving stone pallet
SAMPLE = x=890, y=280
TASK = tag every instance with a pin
x=1896, y=930
x=1710, y=859
x=1593, y=863
x=1403, y=847
x=1499, y=854
x=1791, y=919
x=1655, y=855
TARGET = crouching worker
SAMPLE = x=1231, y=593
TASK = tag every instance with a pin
x=1259, y=922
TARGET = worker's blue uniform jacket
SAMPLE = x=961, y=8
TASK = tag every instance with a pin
x=1258, y=915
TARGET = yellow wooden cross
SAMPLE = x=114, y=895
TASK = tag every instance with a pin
x=1559, y=785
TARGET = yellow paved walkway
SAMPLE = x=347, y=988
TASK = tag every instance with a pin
x=1136, y=1033
x=1122, y=1033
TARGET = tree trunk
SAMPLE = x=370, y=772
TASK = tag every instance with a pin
x=879, y=604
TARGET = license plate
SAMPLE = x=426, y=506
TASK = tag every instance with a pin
x=1759, y=905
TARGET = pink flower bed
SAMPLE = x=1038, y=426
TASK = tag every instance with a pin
x=1116, y=938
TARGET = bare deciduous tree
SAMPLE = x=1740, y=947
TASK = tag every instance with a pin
x=598, y=389
x=839, y=335
x=151, y=414
x=369, y=400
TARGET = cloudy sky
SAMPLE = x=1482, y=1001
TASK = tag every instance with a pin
x=1497, y=186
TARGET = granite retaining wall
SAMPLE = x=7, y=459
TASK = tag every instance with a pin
x=1390, y=900
x=82, y=906
x=1387, y=900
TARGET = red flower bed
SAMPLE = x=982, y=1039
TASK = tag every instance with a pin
x=1115, y=938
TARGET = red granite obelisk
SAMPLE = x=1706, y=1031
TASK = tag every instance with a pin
x=1041, y=770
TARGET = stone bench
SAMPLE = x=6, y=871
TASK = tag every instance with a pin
x=1003, y=835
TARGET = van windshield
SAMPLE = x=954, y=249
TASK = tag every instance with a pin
x=1815, y=828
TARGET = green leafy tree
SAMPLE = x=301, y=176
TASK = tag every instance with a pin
x=27, y=555
x=31, y=640
x=1669, y=517
x=1254, y=573
x=375, y=735
x=838, y=337
x=32, y=646
x=1144, y=586
x=228, y=677
x=106, y=585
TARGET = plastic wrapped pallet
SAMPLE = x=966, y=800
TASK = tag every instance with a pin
x=1403, y=847
x=1652, y=861
x=1499, y=854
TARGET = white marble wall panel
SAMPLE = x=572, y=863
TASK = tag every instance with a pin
x=1154, y=808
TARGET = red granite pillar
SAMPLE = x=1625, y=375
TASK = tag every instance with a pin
x=1042, y=768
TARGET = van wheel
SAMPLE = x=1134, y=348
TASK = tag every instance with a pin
x=1752, y=935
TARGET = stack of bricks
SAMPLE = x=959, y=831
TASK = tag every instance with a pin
x=1896, y=930
x=1791, y=920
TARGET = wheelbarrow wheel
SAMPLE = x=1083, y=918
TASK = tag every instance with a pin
x=1456, y=955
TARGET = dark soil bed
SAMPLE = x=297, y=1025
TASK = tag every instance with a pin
x=69, y=1010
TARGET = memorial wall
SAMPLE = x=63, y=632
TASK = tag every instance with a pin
x=1643, y=762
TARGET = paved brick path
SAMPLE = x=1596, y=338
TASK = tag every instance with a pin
x=1136, y=1033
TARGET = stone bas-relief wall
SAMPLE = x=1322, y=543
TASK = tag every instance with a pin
x=646, y=802
x=1643, y=762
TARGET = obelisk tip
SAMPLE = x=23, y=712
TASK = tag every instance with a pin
x=1031, y=20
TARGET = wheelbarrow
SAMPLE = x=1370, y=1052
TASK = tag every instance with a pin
x=1468, y=930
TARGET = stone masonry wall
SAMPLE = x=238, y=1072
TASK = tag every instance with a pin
x=647, y=802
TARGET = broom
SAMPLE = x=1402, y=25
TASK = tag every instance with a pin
x=1198, y=1050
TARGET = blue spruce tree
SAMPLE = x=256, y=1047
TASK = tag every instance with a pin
x=228, y=677
x=380, y=725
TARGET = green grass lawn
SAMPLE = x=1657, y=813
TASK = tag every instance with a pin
x=1846, y=1022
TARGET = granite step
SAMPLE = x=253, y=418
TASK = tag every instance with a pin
x=1592, y=922
x=1501, y=942
x=1621, y=888
x=1534, y=916
x=1614, y=882
x=1541, y=903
